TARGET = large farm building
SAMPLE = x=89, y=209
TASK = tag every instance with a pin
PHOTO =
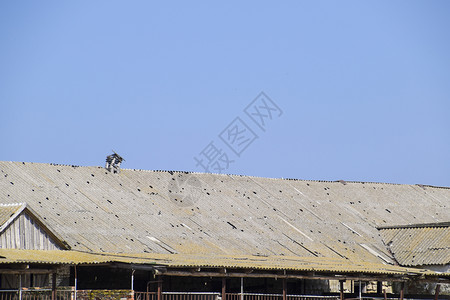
x=70, y=231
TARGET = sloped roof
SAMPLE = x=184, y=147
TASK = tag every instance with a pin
x=192, y=213
x=8, y=212
x=275, y=263
x=418, y=245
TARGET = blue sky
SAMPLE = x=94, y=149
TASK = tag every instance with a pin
x=363, y=86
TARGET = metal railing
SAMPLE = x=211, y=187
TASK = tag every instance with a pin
x=177, y=296
x=9, y=295
x=38, y=294
x=46, y=294
x=253, y=296
x=230, y=296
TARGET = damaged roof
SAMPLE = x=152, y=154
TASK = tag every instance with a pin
x=166, y=212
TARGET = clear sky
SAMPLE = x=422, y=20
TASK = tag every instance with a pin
x=361, y=88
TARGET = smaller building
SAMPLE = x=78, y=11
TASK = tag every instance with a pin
x=425, y=246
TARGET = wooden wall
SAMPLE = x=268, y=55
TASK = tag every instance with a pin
x=25, y=233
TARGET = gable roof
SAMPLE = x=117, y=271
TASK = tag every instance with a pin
x=419, y=244
x=10, y=213
x=215, y=214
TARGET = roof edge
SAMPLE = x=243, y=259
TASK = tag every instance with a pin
x=419, y=225
x=14, y=216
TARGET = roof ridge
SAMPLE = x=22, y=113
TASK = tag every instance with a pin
x=241, y=175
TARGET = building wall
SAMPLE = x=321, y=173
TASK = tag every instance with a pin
x=25, y=233
x=445, y=288
x=12, y=281
x=351, y=286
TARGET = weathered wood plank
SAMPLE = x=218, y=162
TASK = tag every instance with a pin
x=21, y=223
x=16, y=234
x=25, y=233
x=28, y=230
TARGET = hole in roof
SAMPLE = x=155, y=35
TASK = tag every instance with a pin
x=234, y=227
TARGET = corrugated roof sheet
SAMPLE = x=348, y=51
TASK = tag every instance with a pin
x=10, y=256
x=419, y=246
x=7, y=211
x=213, y=214
x=288, y=263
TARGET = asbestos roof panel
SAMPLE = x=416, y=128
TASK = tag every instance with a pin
x=419, y=246
x=7, y=211
x=167, y=212
x=271, y=263
x=11, y=256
